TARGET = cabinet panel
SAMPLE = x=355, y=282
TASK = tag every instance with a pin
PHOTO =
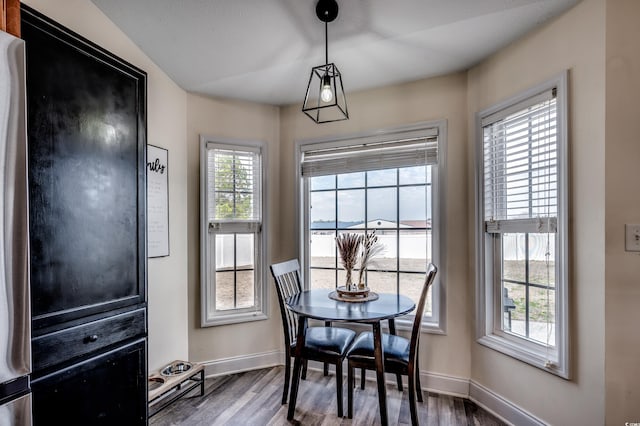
x=72, y=342
x=86, y=132
x=109, y=389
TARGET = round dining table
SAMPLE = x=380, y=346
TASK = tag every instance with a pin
x=317, y=304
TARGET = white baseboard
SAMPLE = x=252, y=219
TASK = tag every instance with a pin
x=501, y=407
x=238, y=364
x=432, y=382
x=444, y=384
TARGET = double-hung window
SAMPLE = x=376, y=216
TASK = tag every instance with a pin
x=232, y=232
x=522, y=227
x=390, y=182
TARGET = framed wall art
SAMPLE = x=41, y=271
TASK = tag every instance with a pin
x=157, y=201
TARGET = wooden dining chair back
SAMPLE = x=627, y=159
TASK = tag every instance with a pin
x=324, y=344
x=414, y=345
x=400, y=354
x=287, y=278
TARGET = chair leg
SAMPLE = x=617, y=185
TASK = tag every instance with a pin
x=339, y=385
x=412, y=398
x=350, y=385
x=362, y=378
x=287, y=379
x=326, y=364
x=399, y=380
x=304, y=369
x=418, y=385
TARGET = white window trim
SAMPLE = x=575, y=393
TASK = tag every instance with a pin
x=439, y=326
x=488, y=302
x=207, y=288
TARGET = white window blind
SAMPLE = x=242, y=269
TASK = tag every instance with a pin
x=373, y=153
x=234, y=186
x=520, y=166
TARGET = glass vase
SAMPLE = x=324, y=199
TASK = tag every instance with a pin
x=348, y=284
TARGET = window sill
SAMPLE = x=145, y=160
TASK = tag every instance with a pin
x=535, y=358
x=233, y=319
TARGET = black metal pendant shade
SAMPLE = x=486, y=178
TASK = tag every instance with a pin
x=325, y=100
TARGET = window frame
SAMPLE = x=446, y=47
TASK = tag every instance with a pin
x=209, y=315
x=489, y=331
x=437, y=324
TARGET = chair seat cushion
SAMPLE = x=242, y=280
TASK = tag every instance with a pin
x=396, y=348
x=328, y=340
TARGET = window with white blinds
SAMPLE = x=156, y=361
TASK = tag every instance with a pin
x=233, y=183
x=233, y=284
x=367, y=157
x=522, y=227
x=372, y=154
x=388, y=182
x=520, y=166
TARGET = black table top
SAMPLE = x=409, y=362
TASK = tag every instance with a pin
x=316, y=304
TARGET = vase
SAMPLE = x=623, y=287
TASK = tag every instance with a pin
x=361, y=284
x=348, y=284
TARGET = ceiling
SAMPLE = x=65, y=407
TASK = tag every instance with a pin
x=263, y=50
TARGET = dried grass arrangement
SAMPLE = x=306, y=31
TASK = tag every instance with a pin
x=357, y=247
x=371, y=247
x=349, y=247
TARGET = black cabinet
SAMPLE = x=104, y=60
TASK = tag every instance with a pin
x=102, y=390
x=86, y=134
x=86, y=125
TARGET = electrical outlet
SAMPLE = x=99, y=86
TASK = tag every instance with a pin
x=632, y=237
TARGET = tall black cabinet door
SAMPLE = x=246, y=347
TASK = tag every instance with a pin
x=104, y=390
x=87, y=143
x=86, y=129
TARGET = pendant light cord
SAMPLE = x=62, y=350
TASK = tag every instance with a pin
x=326, y=43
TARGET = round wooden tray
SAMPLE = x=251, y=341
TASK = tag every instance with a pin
x=342, y=291
x=348, y=296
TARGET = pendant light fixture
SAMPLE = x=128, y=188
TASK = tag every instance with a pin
x=325, y=100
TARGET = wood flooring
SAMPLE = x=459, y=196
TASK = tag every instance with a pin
x=254, y=398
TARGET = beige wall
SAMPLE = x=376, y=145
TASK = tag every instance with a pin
x=575, y=42
x=244, y=121
x=425, y=100
x=166, y=127
x=622, y=205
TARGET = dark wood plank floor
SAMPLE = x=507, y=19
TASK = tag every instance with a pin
x=253, y=398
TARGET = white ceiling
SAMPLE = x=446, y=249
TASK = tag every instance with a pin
x=263, y=50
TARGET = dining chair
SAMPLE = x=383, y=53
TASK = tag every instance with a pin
x=400, y=354
x=324, y=344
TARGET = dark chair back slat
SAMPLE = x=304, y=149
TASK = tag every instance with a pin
x=287, y=278
x=417, y=321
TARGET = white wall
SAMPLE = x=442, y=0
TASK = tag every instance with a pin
x=575, y=41
x=622, y=206
x=166, y=127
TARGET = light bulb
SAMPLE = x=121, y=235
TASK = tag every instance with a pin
x=326, y=94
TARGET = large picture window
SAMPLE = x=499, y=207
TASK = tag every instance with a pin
x=232, y=232
x=386, y=183
x=522, y=227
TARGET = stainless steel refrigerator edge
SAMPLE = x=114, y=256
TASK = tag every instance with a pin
x=15, y=317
